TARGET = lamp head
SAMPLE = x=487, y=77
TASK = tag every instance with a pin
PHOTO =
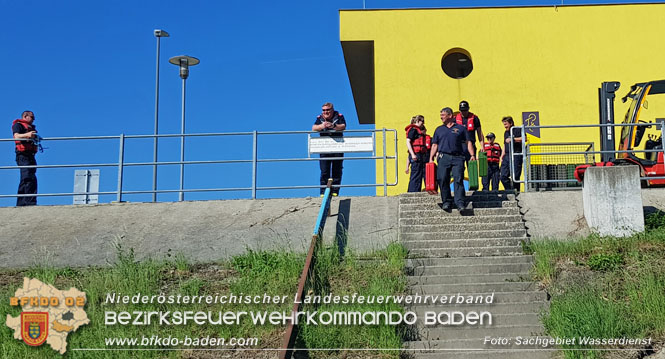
x=184, y=62
x=161, y=33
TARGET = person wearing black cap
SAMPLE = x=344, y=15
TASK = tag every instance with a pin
x=447, y=146
x=472, y=124
x=493, y=151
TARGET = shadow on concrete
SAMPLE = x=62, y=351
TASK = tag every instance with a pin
x=342, y=226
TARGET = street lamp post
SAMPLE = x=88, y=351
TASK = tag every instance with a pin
x=184, y=62
x=158, y=34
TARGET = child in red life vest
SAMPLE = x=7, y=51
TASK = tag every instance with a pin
x=493, y=151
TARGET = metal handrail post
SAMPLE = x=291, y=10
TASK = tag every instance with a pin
x=121, y=159
x=385, y=166
x=524, y=167
x=254, y=157
x=396, y=158
x=154, y=155
x=181, y=195
x=511, y=168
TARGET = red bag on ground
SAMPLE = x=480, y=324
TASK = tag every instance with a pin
x=430, y=178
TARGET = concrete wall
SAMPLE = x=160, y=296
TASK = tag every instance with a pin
x=212, y=230
x=203, y=231
x=560, y=214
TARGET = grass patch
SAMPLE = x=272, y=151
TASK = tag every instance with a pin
x=380, y=273
x=253, y=273
x=605, y=287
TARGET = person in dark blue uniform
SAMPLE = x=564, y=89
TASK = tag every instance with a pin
x=448, y=145
x=24, y=130
x=507, y=158
x=330, y=123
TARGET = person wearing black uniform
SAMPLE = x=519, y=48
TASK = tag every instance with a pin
x=416, y=143
x=472, y=124
x=493, y=151
x=448, y=145
x=330, y=123
x=506, y=157
x=24, y=131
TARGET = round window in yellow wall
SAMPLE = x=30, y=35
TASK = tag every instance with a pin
x=456, y=63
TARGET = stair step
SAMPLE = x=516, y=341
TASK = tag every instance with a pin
x=467, y=278
x=430, y=233
x=467, y=220
x=461, y=243
x=468, y=252
x=472, y=288
x=519, y=319
x=501, y=297
x=443, y=333
x=468, y=261
x=469, y=269
x=474, y=197
x=484, y=354
x=438, y=212
x=517, y=343
x=470, y=204
x=467, y=193
x=495, y=309
x=464, y=226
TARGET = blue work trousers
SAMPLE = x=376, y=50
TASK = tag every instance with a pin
x=451, y=164
x=505, y=171
x=331, y=169
x=493, y=175
x=417, y=171
x=28, y=183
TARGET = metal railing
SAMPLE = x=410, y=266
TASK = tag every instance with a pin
x=527, y=155
x=121, y=164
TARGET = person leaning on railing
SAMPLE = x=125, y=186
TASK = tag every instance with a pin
x=330, y=123
x=24, y=131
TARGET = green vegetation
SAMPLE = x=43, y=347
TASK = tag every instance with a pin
x=605, y=287
x=254, y=273
x=379, y=275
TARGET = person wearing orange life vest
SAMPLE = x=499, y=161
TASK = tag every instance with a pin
x=24, y=130
x=418, y=144
x=493, y=151
x=472, y=124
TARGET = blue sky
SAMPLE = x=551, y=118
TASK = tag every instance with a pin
x=87, y=68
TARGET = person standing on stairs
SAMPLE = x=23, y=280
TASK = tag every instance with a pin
x=417, y=143
x=448, y=145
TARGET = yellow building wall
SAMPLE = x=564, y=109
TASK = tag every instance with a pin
x=546, y=59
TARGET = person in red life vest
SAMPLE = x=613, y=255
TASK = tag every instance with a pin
x=330, y=123
x=507, y=158
x=418, y=145
x=24, y=132
x=493, y=151
x=472, y=124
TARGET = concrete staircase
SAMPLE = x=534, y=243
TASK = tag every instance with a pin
x=475, y=253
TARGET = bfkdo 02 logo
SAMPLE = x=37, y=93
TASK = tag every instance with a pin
x=48, y=315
